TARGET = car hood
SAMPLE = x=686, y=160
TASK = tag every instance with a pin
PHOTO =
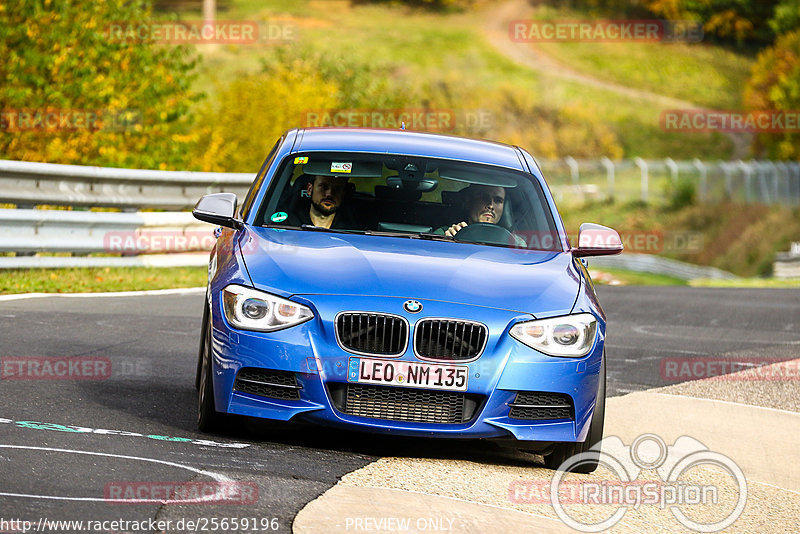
x=298, y=262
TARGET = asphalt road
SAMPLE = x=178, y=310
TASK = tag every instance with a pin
x=66, y=446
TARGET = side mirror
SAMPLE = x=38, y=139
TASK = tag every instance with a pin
x=218, y=208
x=597, y=240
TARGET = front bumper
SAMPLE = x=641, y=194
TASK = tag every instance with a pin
x=320, y=364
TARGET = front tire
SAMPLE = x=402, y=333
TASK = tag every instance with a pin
x=200, y=350
x=208, y=418
x=563, y=451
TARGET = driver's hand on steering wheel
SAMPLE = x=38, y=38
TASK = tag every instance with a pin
x=453, y=230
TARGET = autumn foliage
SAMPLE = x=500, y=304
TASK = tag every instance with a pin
x=69, y=94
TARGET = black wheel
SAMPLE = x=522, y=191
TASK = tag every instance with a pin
x=485, y=233
x=562, y=451
x=208, y=418
x=203, y=329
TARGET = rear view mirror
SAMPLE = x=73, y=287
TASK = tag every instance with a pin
x=218, y=208
x=416, y=184
x=597, y=240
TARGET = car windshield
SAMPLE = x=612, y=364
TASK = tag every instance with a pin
x=409, y=196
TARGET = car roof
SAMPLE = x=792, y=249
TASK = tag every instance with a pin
x=408, y=143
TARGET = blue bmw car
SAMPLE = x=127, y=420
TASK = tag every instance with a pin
x=406, y=283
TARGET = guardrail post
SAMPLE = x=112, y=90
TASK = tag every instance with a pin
x=701, y=168
x=610, y=169
x=794, y=182
x=780, y=168
x=760, y=178
x=727, y=172
x=673, y=169
x=747, y=172
x=642, y=164
x=574, y=170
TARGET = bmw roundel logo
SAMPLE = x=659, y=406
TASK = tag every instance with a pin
x=412, y=306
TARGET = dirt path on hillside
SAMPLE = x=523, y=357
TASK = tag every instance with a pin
x=496, y=31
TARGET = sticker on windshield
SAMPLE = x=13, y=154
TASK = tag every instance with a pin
x=279, y=217
x=300, y=160
x=341, y=167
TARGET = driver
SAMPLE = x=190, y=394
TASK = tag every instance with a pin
x=326, y=196
x=484, y=204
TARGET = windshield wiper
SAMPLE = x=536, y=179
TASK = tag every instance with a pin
x=313, y=228
x=434, y=237
x=411, y=235
x=391, y=234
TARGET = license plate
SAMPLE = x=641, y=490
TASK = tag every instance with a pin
x=408, y=374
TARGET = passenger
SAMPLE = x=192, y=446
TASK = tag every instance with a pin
x=483, y=204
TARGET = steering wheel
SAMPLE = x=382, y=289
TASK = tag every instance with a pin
x=485, y=233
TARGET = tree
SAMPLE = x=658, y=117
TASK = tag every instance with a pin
x=775, y=86
x=87, y=97
x=736, y=20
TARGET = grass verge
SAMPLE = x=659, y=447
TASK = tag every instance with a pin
x=103, y=279
x=618, y=277
x=462, y=71
x=92, y=280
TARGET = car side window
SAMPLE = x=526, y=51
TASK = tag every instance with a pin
x=256, y=185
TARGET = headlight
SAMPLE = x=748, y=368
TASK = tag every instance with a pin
x=250, y=309
x=570, y=335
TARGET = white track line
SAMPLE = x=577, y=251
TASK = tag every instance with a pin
x=187, y=290
x=215, y=476
x=723, y=401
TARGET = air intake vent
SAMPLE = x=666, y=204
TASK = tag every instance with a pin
x=372, y=333
x=534, y=405
x=449, y=340
x=267, y=383
x=404, y=404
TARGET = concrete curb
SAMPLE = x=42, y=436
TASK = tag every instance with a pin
x=364, y=509
x=764, y=443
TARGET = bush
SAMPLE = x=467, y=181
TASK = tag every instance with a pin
x=252, y=111
x=58, y=58
x=681, y=193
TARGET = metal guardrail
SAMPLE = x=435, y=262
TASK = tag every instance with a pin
x=787, y=264
x=648, y=263
x=144, y=238
x=84, y=232
x=28, y=184
x=755, y=181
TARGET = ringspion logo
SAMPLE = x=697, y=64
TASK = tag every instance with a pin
x=683, y=485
